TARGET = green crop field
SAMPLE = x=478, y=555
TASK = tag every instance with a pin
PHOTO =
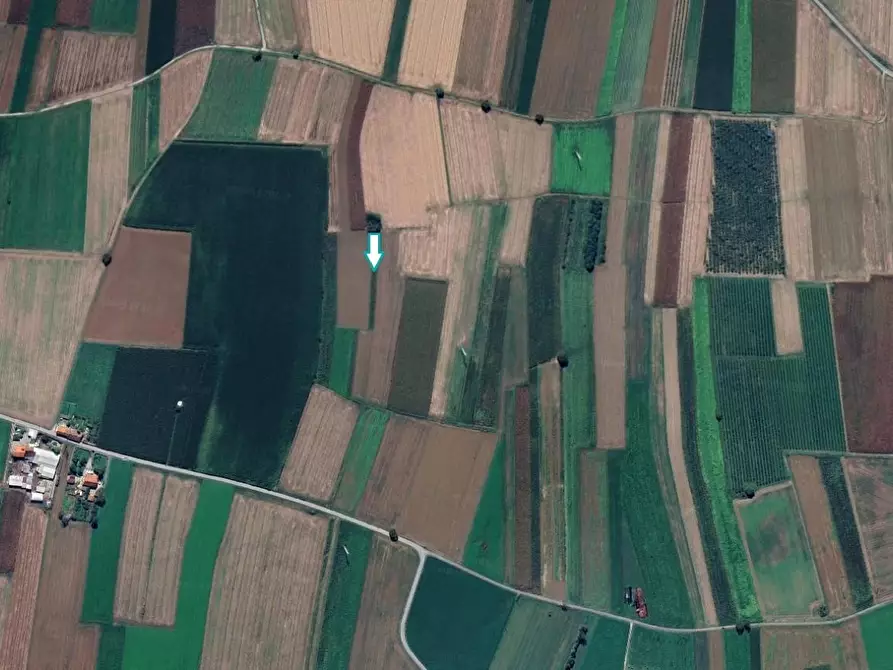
x=345, y=590
x=486, y=544
x=633, y=58
x=88, y=384
x=667, y=651
x=876, y=628
x=544, y=280
x=741, y=315
x=144, y=116
x=399, y=21
x=111, y=648
x=343, y=352
x=105, y=546
x=692, y=46
x=43, y=179
x=456, y=620
x=606, y=89
x=783, y=566
x=741, y=78
x=233, y=99
x=712, y=462
x=149, y=648
x=605, y=647
x=360, y=457
x=737, y=649
x=581, y=158
x=5, y=435
x=113, y=16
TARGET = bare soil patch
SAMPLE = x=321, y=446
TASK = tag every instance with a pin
x=786, y=317
x=609, y=346
x=285, y=24
x=142, y=298
x=873, y=144
x=837, y=648
x=235, y=22
x=698, y=206
x=431, y=44
x=516, y=236
x=654, y=217
x=796, y=227
x=352, y=33
x=483, y=49
x=319, y=444
x=656, y=70
x=248, y=615
x=194, y=25
x=347, y=206
x=181, y=88
x=85, y=62
x=871, y=484
x=354, y=280
x=435, y=252
x=73, y=13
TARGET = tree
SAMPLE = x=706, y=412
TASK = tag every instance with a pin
x=439, y=93
x=486, y=107
x=750, y=489
x=539, y=119
x=373, y=222
x=562, y=359
x=822, y=610
x=106, y=259
x=100, y=464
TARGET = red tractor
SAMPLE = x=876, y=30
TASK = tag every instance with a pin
x=639, y=604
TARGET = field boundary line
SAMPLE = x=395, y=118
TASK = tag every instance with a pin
x=423, y=555
x=629, y=644
x=260, y=26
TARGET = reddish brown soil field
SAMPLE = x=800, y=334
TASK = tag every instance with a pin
x=653, y=88
x=348, y=206
x=195, y=25
x=523, y=571
x=58, y=640
x=73, y=13
x=142, y=297
x=353, y=280
x=10, y=525
x=18, y=12
x=673, y=212
x=863, y=326
x=566, y=81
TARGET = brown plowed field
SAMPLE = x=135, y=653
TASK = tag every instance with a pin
x=264, y=589
x=656, y=70
x=87, y=62
x=34, y=362
x=427, y=481
x=58, y=640
x=354, y=280
x=567, y=82
x=522, y=570
x=837, y=648
x=698, y=205
x=347, y=207
x=73, y=13
x=17, y=12
x=873, y=144
x=10, y=525
x=16, y=637
x=141, y=35
x=142, y=298
x=786, y=317
x=871, y=486
x=676, y=54
x=109, y=163
x=235, y=22
x=350, y=32
x=813, y=501
x=319, y=445
x=871, y=21
x=389, y=575
x=516, y=237
x=194, y=25
x=181, y=88
x=432, y=252
x=863, y=328
x=483, y=49
x=553, y=530
x=174, y=520
x=136, y=545
x=12, y=38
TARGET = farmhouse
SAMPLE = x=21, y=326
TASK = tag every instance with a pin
x=32, y=468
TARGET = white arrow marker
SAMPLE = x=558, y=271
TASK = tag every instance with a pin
x=374, y=255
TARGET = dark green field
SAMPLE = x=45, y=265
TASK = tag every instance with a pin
x=774, y=45
x=667, y=651
x=395, y=40
x=111, y=648
x=88, y=382
x=43, y=179
x=485, y=547
x=544, y=279
x=113, y=16
x=255, y=286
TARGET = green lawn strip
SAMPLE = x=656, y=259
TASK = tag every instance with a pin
x=485, y=547
x=508, y=524
x=114, y=16
x=360, y=457
x=397, y=35
x=659, y=649
x=41, y=16
x=634, y=49
x=43, y=179
x=343, y=597
x=5, y=436
x=343, y=351
x=456, y=620
x=713, y=464
x=88, y=383
x=876, y=628
x=111, y=648
x=105, y=546
x=690, y=55
x=606, y=90
x=737, y=649
x=233, y=99
x=582, y=157
x=741, y=81
x=605, y=647
x=148, y=648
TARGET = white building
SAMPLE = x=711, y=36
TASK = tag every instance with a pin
x=46, y=462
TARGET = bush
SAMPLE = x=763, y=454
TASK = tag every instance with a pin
x=100, y=464
x=78, y=461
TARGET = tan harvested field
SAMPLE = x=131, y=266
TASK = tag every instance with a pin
x=516, y=236
x=132, y=585
x=716, y=650
x=45, y=306
x=58, y=640
x=142, y=297
x=814, y=506
x=431, y=44
x=389, y=575
x=567, y=82
x=319, y=445
x=181, y=87
x=483, y=49
x=786, y=317
x=657, y=191
x=16, y=639
x=835, y=200
x=108, y=168
x=39, y=89
x=873, y=149
x=434, y=251
x=247, y=615
x=376, y=347
x=427, y=481
x=12, y=38
x=553, y=529
x=676, y=54
x=796, y=230
x=871, y=21
x=354, y=280
x=84, y=62
x=350, y=32
x=235, y=22
x=492, y=156
x=460, y=309
x=306, y=104
x=698, y=206
x=871, y=487
x=685, y=500
x=402, y=158
x=658, y=54
x=285, y=23
x=832, y=78
x=837, y=648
